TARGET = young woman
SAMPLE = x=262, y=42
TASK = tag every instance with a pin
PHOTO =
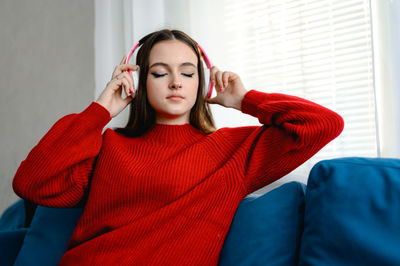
x=164, y=189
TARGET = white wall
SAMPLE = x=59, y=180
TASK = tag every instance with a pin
x=46, y=72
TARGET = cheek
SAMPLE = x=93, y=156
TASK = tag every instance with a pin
x=149, y=85
x=151, y=93
x=152, y=86
x=193, y=95
x=194, y=87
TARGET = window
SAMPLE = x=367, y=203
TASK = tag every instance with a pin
x=317, y=49
x=320, y=50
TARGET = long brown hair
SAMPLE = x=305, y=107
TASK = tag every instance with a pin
x=142, y=116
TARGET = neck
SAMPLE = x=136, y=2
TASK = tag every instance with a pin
x=172, y=120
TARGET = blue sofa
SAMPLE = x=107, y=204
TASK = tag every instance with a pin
x=348, y=214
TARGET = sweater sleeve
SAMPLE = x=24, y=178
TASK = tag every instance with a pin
x=293, y=130
x=56, y=171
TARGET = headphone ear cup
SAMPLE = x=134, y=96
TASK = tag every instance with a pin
x=207, y=84
x=135, y=78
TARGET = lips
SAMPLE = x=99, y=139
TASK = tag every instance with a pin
x=175, y=97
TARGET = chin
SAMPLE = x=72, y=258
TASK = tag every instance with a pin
x=176, y=110
x=173, y=114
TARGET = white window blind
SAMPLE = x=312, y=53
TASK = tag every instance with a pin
x=317, y=49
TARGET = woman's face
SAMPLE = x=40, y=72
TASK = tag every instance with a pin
x=172, y=81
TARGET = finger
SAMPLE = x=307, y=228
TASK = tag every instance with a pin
x=225, y=78
x=214, y=69
x=218, y=77
x=129, y=92
x=211, y=100
x=121, y=68
x=125, y=83
x=116, y=72
x=118, y=83
x=128, y=99
x=114, y=84
x=128, y=67
x=125, y=75
x=126, y=90
x=130, y=74
x=123, y=60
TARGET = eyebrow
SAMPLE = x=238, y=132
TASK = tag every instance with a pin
x=166, y=65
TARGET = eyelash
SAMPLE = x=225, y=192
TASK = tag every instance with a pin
x=162, y=75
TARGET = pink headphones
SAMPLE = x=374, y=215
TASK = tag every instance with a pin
x=207, y=69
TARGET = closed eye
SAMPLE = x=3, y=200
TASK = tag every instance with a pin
x=188, y=75
x=158, y=75
x=162, y=75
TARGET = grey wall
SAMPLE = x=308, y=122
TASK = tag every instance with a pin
x=46, y=72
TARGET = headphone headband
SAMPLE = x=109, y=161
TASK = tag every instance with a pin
x=209, y=84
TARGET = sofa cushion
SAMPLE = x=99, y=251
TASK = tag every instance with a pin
x=13, y=217
x=12, y=232
x=48, y=235
x=266, y=229
x=352, y=214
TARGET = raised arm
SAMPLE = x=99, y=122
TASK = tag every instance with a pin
x=293, y=130
x=57, y=170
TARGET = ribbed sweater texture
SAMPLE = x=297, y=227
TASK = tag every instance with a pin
x=169, y=196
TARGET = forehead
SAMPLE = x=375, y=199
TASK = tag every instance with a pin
x=172, y=52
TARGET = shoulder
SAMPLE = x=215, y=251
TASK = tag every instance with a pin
x=232, y=137
x=109, y=132
x=235, y=131
x=112, y=135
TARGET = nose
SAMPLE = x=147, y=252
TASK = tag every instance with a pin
x=175, y=82
x=175, y=85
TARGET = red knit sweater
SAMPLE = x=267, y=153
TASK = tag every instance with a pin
x=169, y=196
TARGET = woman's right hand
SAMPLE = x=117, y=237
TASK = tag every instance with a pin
x=111, y=97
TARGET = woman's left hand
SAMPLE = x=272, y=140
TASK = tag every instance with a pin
x=229, y=87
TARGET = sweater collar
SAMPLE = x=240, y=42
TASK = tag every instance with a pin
x=184, y=134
